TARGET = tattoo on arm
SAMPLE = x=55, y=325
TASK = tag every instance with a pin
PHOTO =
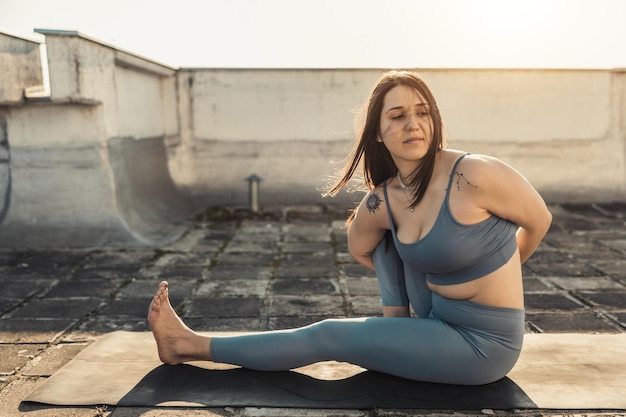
x=460, y=175
x=373, y=202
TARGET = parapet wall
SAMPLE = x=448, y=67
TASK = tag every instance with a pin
x=105, y=147
x=563, y=129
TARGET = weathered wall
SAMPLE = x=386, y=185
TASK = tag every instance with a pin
x=20, y=67
x=562, y=129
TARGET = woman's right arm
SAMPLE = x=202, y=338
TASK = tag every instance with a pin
x=367, y=227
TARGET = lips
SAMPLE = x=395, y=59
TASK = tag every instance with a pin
x=414, y=139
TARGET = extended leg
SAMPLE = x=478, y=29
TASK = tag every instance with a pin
x=419, y=349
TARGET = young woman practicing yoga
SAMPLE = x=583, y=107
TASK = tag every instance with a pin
x=445, y=231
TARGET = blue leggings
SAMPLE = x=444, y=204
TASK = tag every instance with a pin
x=451, y=341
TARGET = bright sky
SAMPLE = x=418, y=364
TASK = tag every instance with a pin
x=343, y=33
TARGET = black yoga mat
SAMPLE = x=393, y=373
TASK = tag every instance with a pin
x=242, y=387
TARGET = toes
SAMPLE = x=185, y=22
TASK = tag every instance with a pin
x=160, y=296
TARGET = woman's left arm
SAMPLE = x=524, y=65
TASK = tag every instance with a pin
x=507, y=194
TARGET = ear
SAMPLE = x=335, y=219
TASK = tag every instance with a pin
x=379, y=139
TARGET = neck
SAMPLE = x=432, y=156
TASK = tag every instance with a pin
x=407, y=171
x=403, y=183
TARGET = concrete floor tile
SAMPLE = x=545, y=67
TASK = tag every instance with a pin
x=24, y=287
x=120, y=259
x=15, y=356
x=356, y=270
x=193, y=273
x=250, y=247
x=306, y=233
x=312, y=286
x=343, y=257
x=233, y=288
x=310, y=271
x=585, y=283
x=363, y=286
x=110, y=273
x=145, y=288
x=235, y=272
x=131, y=308
x=236, y=324
x=29, y=330
x=564, y=269
x=571, y=323
x=538, y=301
x=57, y=308
x=614, y=267
x=83, y=288
x=610, y=300
x=535, y=285
x=169, y=260
x=619, y=317
x=101, y=325
x=308, y=258
x=8, y=304
x=226, y=307
x=302, y=306
x=246, y=259
x=366, y=306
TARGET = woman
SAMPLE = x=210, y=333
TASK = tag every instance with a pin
x=446, y=233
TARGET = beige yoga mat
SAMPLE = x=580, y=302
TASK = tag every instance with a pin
x=557, y=371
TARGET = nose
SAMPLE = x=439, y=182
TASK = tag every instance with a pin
x=412, y=122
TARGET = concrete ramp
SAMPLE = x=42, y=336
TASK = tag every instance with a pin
x=92, y=197
x=149, y=204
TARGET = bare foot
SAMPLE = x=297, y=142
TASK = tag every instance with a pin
x=176, y=343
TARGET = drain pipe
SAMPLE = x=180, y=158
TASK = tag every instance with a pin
x=253, y=192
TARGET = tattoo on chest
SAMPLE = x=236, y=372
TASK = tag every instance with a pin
x=460, y=175
x=373, y=202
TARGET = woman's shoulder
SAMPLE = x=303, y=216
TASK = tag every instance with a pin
x=484, y=170
x=373, y=207
x=476, y=162
x=374, y=200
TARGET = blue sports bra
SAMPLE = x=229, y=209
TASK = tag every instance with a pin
x=452, y=252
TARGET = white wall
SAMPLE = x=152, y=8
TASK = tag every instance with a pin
x=524, y=105
x=560, y=128
x=274, y=105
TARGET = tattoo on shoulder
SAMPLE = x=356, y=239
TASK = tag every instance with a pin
x=459, y=176
x=373, y=202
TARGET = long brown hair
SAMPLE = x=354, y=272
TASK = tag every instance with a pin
x=378, y=166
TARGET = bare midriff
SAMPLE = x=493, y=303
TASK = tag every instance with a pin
x=500, y=288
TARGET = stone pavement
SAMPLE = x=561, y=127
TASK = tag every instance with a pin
x=287, y=267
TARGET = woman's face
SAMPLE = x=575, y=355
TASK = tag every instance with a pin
x=406, y=128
